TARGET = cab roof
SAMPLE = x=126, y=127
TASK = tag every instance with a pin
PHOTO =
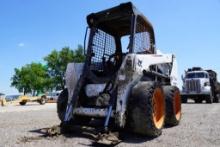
x=117, y=20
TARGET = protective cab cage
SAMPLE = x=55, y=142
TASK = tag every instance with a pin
x=104, y=53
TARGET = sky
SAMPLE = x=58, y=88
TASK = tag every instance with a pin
x=31, y=29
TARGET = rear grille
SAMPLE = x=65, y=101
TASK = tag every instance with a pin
x=193, y=85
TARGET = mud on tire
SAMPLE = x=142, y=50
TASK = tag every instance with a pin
x=146, y=109
x=173, y=105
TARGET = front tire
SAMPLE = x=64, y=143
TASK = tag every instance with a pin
x=146, y=110
x=173, y=105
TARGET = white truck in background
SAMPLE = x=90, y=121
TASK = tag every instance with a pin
x=199, y=85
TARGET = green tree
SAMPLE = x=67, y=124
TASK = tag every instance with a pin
x=57, y=62
x=31, y=78
x=79, y=54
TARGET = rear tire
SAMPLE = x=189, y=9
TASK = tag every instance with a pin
x=23, y=103
x=198, y=101
x=209, y=99
x=173, y=105
x=217, y=98
x=146, y=109
x=61, y=109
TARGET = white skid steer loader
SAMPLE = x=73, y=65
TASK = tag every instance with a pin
x=133, y=87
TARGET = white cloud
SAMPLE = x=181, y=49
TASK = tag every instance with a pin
x=21, y=44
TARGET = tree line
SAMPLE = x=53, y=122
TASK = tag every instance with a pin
x=38, y=78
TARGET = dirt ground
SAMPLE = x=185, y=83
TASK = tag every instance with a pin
x=23, y=126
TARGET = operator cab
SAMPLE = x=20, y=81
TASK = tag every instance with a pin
x=112, y=29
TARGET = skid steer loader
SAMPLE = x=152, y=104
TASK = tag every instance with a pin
x=125, y=83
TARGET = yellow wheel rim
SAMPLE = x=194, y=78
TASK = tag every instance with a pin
x=158, y=108
x=177, y=105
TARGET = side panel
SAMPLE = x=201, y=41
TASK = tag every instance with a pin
x=73, y=72
x=127, y=78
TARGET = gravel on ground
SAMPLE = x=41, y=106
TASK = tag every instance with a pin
x=23, y=125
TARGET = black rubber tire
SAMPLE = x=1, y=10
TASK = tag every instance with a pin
x=184, y=100
x=172, y=117
x=61, y=104
x=42, y=100
x=61, y=110
x=140, y=110
x=198, y=101
x=217, y=98
x=209, y=100
x=23, y=103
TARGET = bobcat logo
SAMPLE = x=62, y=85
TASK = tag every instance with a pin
x=139, y=63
